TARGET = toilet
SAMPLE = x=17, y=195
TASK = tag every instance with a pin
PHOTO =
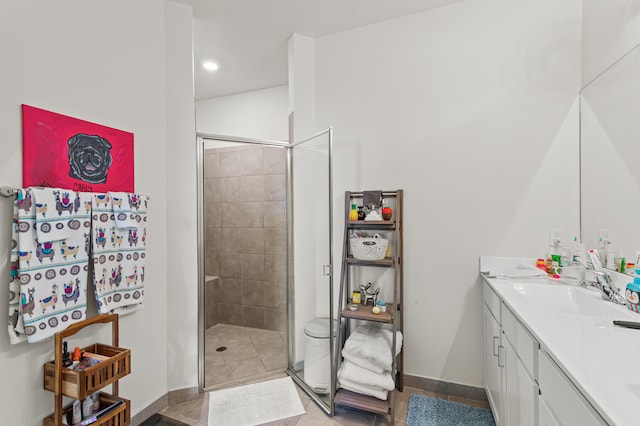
x=317, y=356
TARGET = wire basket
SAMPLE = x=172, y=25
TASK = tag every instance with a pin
x=368, y=248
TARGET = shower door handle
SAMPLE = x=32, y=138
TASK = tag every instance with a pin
x=326, y=270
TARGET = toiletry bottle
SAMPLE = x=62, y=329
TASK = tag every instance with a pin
x=353, y=214
x=361, y=214
x=66, y=359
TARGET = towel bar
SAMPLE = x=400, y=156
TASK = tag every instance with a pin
x=8, y=191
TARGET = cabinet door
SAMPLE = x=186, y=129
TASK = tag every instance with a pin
x=521, y=392
x=545, y=415
x=492, y=370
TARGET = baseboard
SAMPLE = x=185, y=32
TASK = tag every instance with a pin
x=170, y=398
x=439, y=387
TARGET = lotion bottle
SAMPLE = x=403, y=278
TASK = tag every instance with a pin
x=353, y=214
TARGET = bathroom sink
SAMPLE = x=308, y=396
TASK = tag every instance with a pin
x=561, y=298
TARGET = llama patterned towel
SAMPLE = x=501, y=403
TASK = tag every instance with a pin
x=16, y=327
x=56, y=211
x=126, y=208
x=53, y=274
x=118, y=253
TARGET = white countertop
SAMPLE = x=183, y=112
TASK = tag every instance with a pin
x=574, y=326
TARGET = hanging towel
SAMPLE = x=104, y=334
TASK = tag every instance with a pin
x=56, y=211
x=127, y=208
x=118, y=252
x=372, y=197
x=53, y=274
x=16, y=327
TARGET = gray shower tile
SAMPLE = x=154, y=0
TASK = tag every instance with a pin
x=251, y=240
x=230, y=265
x=275, y=295
x=275, y=241
x=239, y=188
x=275, y=320
x=211, y=164
x=212, y=240
x=242, y=215
x=252, y=317
x=229, y=241
x=230, y=314
x=213, y=215
x=211, y=266
x=241, y=163
x=211, y=315
x=230, y=291
x=275, y=187
x=275, y=214
x=211, y=292
x=252, y=266
x=275, y=161
x=275, y=268
x=253, y=293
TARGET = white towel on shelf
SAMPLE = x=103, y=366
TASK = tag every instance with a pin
x=363, y=389
x=56, y=211
x=118, y=254
x=373, y=343
x=363, y=363
x=53, y=274
x=356, y=374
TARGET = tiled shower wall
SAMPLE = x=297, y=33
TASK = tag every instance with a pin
x=245, y=240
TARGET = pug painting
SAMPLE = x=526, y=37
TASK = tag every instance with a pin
x=89, y=158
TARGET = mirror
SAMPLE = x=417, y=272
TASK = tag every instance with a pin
x=610, y=126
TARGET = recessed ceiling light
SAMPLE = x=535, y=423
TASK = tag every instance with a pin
x=209, y=66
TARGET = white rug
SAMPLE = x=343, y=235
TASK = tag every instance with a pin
x=255, y=404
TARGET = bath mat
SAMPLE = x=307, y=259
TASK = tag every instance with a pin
x=255, y=404
x=429, y=411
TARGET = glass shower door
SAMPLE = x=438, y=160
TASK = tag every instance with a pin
x=311, y=318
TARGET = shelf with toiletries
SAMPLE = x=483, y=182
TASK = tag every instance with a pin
x=374, y=241
x=98, y=365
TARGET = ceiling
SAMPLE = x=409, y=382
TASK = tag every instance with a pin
x=248, y=38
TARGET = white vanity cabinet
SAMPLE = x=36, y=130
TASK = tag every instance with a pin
x=510, y=359
x=561, y=403
x=493, y=376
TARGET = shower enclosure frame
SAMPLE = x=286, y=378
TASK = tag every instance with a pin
x=327, y=268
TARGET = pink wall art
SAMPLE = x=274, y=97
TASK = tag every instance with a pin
x=65, y=152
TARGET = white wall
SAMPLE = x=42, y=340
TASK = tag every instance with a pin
x=182, y=260
x=103, y=62
x=471, y=108
x=259, y=114
x=610, y=30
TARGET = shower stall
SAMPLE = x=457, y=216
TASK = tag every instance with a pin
x=264, y=255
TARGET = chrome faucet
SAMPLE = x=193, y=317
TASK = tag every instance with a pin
x=596, y=276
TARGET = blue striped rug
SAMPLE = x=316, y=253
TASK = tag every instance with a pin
x=429, y=411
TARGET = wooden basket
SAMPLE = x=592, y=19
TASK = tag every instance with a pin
x=120, y=416
x=80, y=384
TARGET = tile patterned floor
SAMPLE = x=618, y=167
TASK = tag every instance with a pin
x=255, y=355
x=251, y=354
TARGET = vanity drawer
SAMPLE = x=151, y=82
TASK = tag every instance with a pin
x=523, y=343
x=563, y=399
x=492, y=301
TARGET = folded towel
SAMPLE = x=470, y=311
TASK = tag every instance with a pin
x=372, y=197
x=363, y=362
x=521, y=270
x=356, y=374
x=56, y=211
x=363, y=389
x=128, y=208
x=372, y=342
